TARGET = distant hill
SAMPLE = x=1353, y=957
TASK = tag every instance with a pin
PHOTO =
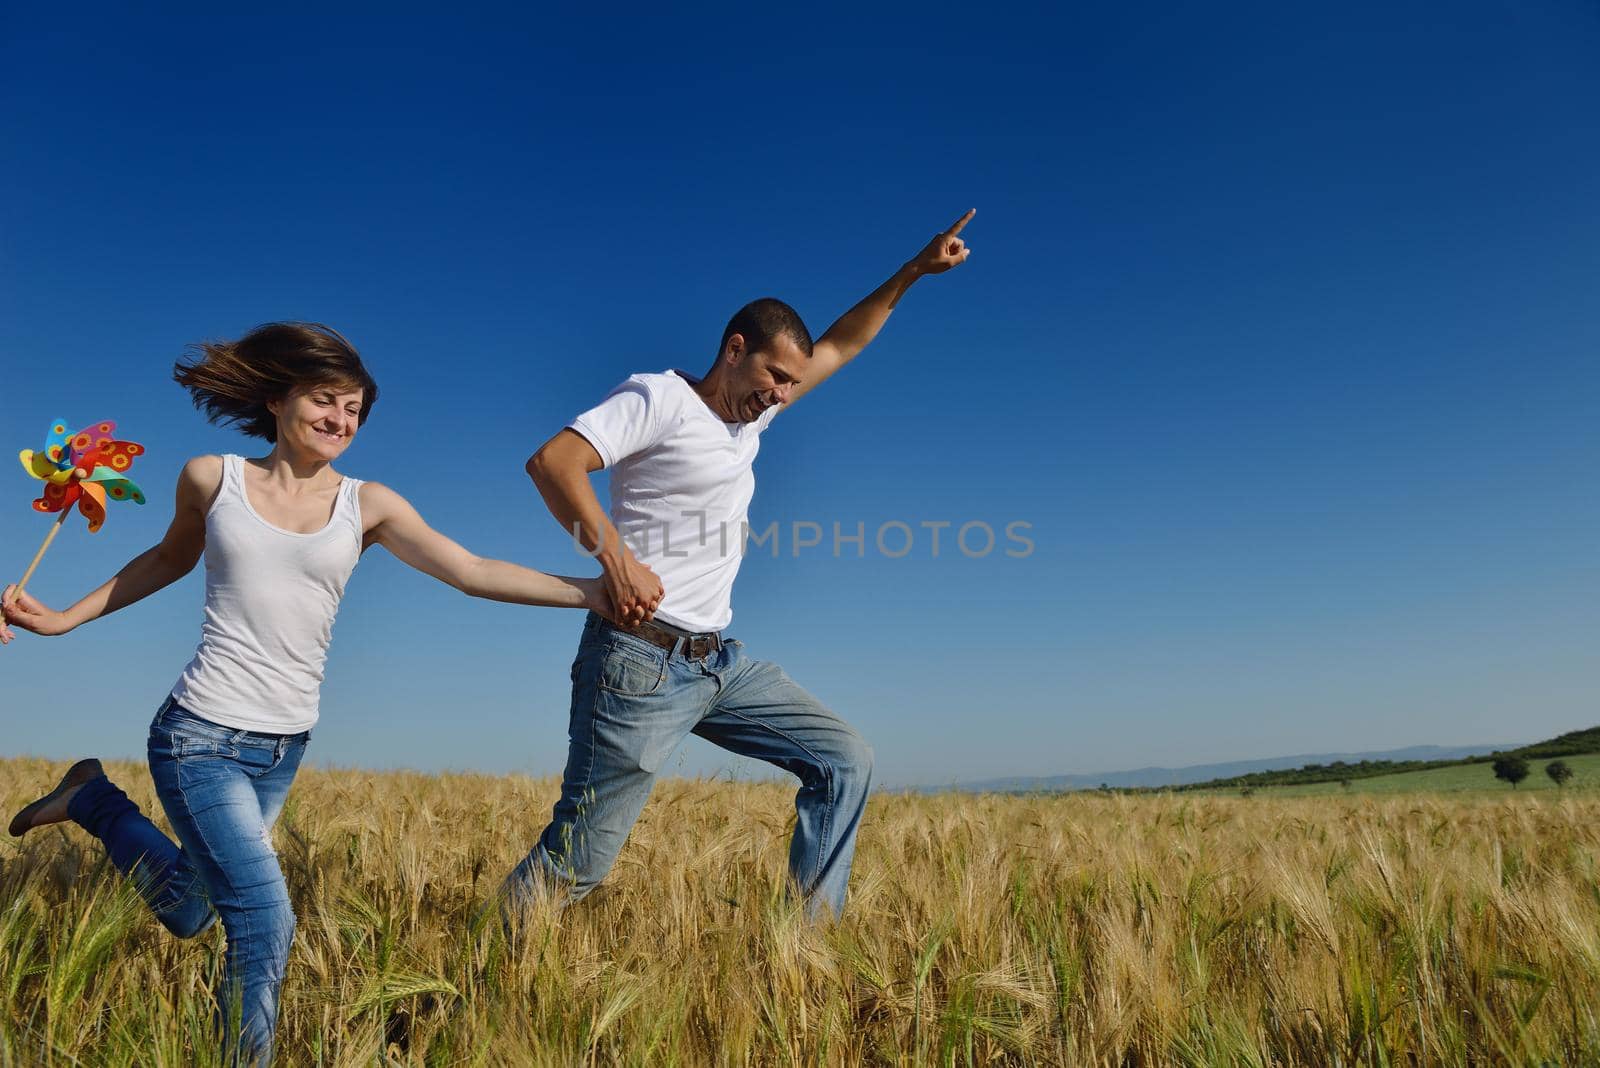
x=1573, y=743
x=1203, y=773
x=1570, y=744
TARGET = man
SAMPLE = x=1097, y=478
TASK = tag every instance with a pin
x=680, y=450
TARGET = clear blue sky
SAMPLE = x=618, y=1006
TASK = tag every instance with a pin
x=1279, y=329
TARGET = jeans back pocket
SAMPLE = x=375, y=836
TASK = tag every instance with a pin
x=633, y=668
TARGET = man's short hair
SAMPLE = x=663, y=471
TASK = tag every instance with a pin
x=760, y=321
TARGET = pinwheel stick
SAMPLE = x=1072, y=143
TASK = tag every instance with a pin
x=55, y=528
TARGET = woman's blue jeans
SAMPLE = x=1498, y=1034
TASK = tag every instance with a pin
x=221, y=789
x=633, y=703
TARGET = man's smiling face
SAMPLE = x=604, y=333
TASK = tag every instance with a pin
x=759, y=380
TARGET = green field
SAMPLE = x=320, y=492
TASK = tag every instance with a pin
x=1466, y=778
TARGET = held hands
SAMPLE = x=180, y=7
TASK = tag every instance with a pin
x=28, y=613
x=946, y=250
x=632, y=591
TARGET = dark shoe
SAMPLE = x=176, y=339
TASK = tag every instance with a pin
x=52, y=807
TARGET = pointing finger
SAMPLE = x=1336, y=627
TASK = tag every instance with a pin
x=956, y=227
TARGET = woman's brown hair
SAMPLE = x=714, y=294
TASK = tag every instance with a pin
x=232, y=381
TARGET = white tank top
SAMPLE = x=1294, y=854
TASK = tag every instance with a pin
x=271, y=596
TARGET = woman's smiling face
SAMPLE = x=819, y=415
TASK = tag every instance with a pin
x=319, y=420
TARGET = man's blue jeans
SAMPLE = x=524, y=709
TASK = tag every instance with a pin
x=221, y=789
x=632, y=703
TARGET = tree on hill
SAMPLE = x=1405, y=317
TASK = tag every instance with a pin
x=1511, y=769
x=1559, y=771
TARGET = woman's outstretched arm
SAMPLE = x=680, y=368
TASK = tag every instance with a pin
x=392, y=522
x=154, y=569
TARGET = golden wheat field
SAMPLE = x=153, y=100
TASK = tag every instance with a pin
x=1087, y=929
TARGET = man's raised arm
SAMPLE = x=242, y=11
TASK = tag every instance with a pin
x=857, y=327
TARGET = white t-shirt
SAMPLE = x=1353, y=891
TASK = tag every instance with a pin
x=681, y=483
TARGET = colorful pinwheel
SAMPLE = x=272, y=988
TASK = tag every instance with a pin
x=85, y=469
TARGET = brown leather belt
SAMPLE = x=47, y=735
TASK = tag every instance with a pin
x=673, y=640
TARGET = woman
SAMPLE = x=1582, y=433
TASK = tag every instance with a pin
x=280, y=536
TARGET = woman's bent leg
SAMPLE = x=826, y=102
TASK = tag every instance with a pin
x=138, y=849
